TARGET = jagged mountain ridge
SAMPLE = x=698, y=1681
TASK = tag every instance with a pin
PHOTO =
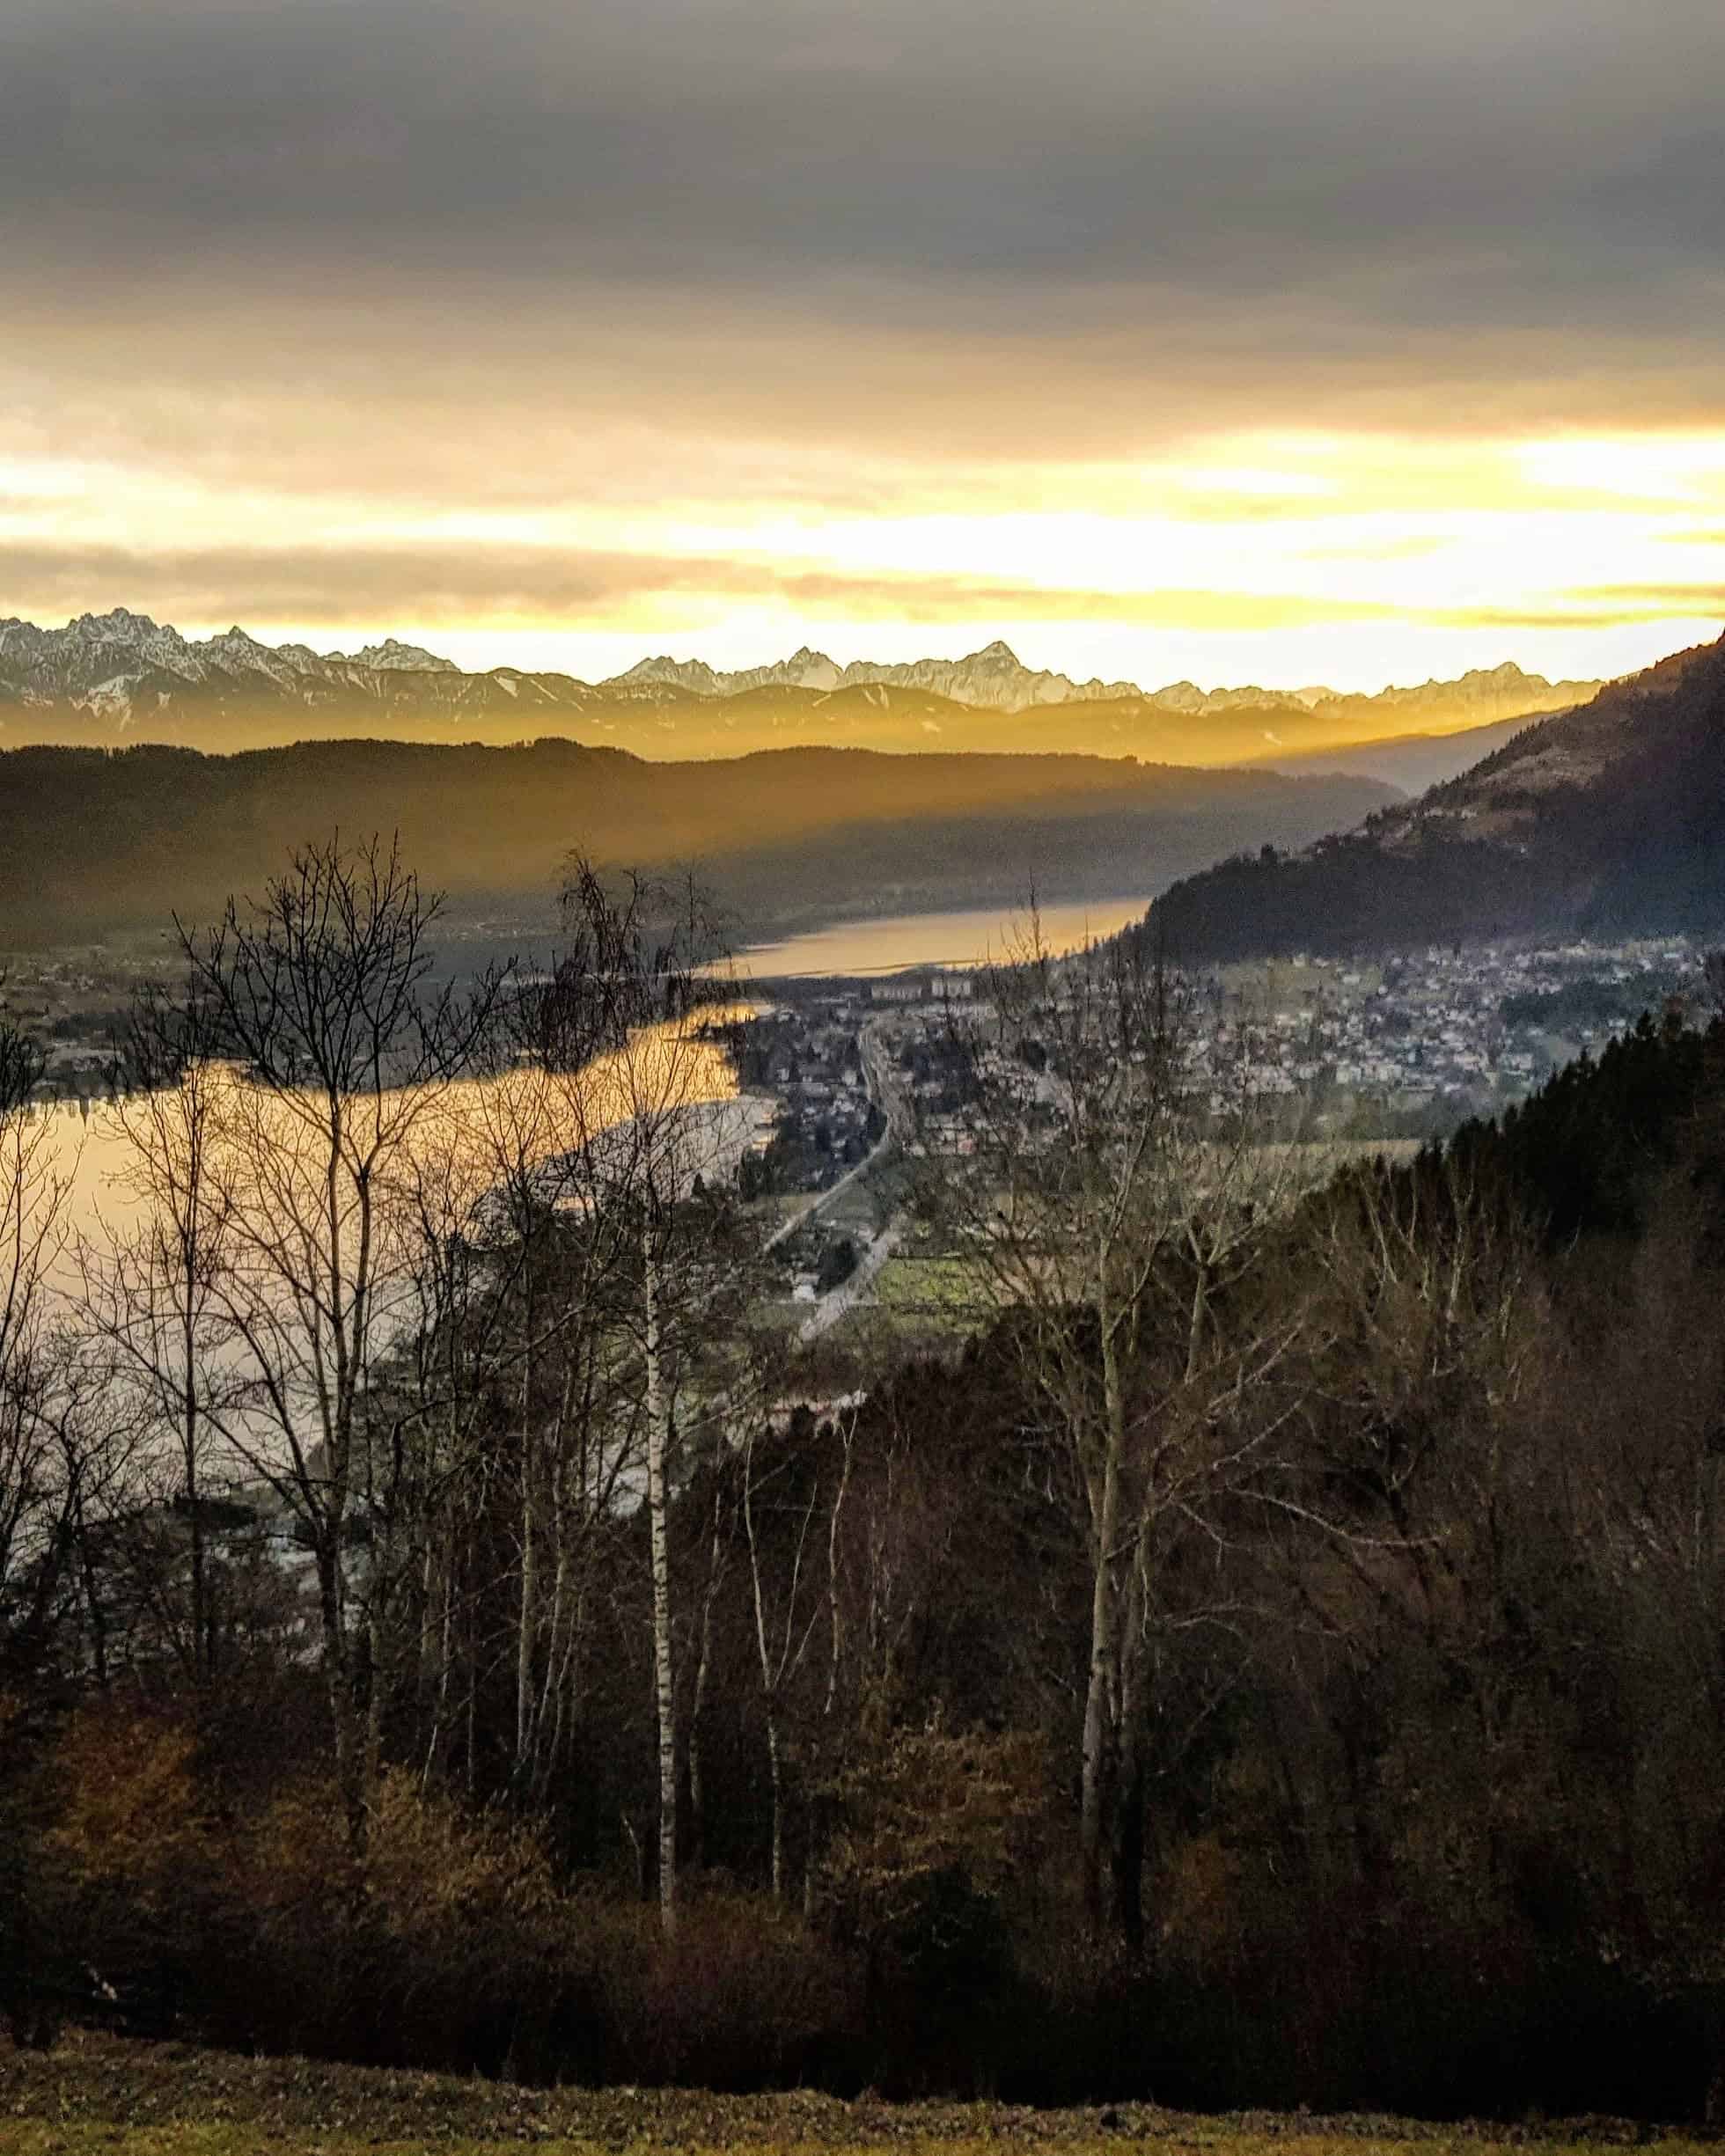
x=992, y=679
x=123, y=675
x=1606, y=819
x=126, y=664
x=996, y=679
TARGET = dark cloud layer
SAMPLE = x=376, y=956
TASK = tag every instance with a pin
x=1223, y=203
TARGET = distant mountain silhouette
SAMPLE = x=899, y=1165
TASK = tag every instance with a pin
x=121, y=677
x=94, y=842
x=1607, y=820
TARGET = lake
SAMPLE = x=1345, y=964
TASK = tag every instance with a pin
x=478, y=1128
x=890, y=946
x=73, y=1204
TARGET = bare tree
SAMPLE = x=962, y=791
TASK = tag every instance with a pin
x=154, y=1280
x=626, y=1010
x=785, y=1590
x=41, y=1466
x=341, y=1055
x=541, y=1323
x=1103, y=1177
x=21, y=1067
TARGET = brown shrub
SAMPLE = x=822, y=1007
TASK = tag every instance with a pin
x=129, y=1816
x=437, y=1948
x=744, y=1996
x=449, y=1944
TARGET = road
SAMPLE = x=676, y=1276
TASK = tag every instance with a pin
x=827, y=1312
x=875, y=1065
x=877, y=1077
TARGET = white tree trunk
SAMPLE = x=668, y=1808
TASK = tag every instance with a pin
x=1100, y=1690
x=776, y=1761
x=664, y=1688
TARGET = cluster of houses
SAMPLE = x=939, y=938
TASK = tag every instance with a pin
x=806, y=1052
x=74, y=1007
x=937, y=985
x=1404, y=1043
x=1467, y=1027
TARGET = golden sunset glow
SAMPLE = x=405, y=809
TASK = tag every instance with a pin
x=1350, y=560
x=721, y=332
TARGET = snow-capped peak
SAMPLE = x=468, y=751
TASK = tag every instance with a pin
x=122, y=662
x=119, y=625
x=392, y=655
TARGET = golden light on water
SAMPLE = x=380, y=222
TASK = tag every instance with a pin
x=465, y=1138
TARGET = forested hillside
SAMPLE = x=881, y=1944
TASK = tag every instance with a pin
x=1273, y=1655
x=1606, y=821
x=92, y=842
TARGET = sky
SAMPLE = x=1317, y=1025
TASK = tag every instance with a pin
x=1246, y=340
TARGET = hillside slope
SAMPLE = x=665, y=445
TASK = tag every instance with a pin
x=1410, y=762
x=1609, y=819
x=94, y=841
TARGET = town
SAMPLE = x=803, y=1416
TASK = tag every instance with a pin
x=1406, y=1046
x=848, y=1081
x=1397, y=1049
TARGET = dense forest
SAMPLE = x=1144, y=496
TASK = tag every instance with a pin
x=1277, y=1655
x=1607, y=821
x=95, y=841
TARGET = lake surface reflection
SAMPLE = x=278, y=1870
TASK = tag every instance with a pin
x=469, y=1134
x=868, y=947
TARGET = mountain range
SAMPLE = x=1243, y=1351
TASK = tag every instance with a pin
x=1607, y=817
x=1607, y=820
x=121, y=675
x=993, y=679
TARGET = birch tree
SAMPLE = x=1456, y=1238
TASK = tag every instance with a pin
x=787, y=1604
x=1098, y=1207
x=624, y=1008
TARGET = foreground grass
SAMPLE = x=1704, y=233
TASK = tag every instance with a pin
x=126, y=2099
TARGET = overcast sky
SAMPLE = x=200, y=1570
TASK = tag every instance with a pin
x=1350, y=339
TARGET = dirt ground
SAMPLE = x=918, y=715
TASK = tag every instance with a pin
x=97, y=2092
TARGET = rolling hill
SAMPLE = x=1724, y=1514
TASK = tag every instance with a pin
x=94, y=842
x=1606, y=820
x=1409, y=762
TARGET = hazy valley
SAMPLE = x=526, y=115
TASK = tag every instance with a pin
x=98, y=842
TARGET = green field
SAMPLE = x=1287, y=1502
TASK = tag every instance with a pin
x=932, y=1287
x=101, y=2094
x=915, y=1305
